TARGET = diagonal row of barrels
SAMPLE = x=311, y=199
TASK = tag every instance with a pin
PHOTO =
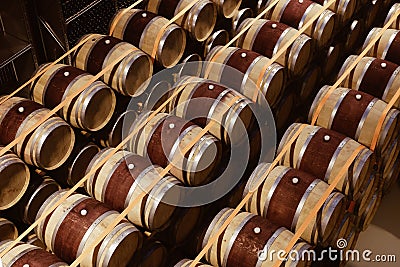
x=99, y=110
x=347, y=118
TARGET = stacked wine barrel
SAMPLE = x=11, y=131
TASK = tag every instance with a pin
x=127, y=143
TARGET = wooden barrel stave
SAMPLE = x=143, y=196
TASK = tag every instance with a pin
x=305, y=156
x=366, y=217
x=73, y=170
x=297, y=55
x=218, y=38
x=250, y=64
x=355, y=114
x=7, y=230
x=227, y=8
x=239, y=17
x=14, y=179
x=127, y=77
x=389, y=158
x=199, y=21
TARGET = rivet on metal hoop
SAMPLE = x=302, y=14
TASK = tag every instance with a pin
x=21, y=109
x=84, y=212
x=144, y=15
x=301, y=1
x=295, y=180
x=257, y=230
x=131, y=166
x=327, y=138
x=383, y=65
x=274, y=26
x=358, y=96
x=210, y=87
x=243, y=55
x=25, y=265
x=171, y=126
x=66, y=74
x=107, y=41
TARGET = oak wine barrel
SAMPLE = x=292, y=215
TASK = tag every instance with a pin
x=122, y=178
x=387, y=47
x=73, y=170
x=7, y=230
x=152, y=254
x=354, y=36
x=126, y=77
x=330, y=62
x=202, y=101
x=227, y=8
x=112, y=134
x=377, y=77
x=287, y=196
x=48, y=146
x=182, y=224
x=374, y=8
x=190, y=66
x=391, y=13
x=296, y=13
x=258, y=233
x=364, y=219
x=90, y=110
x=39, y=189
x=142, y=28
x=267, y=37
x=77, y=222
x=187, y=262
x=162, y=140
x=389, y=158
x=322, y=153
x=32, y=239
x=239, y=17
x=343, y=8
x=14, y=179
x=283, y=110
x=310, y=82
x=218, y=38
x=365, y=194
x=356, y=114
x=392, y=177
x=199, y=21
x=155, y=96
x=342, y=229
x=24, y=255
x=249, y=66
